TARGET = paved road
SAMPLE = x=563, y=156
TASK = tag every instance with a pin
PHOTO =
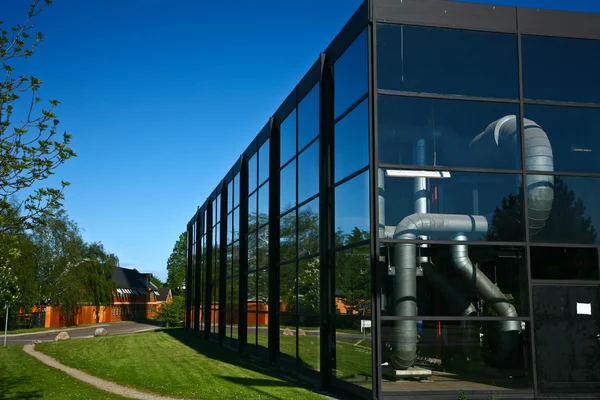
x=114, y=328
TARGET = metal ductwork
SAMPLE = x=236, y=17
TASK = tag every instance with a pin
x=503, y=134
x=405, y=261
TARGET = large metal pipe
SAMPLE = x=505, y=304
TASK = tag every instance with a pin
x=405, y=262
x=503, y=134
x=488, y=290
x=464, y=306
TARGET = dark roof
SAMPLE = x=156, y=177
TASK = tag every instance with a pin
x=130, y=278
x=163, y=293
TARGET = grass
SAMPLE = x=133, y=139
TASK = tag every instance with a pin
x=24, y=377
x=174, y=363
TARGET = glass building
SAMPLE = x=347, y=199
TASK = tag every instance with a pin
x=418, y=216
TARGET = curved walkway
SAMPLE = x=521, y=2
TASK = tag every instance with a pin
x=101, y=384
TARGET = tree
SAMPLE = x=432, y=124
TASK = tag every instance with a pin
x=177, y=265
x=157, y=282
x=172, y=314
x=97, y=270
x=30, y=145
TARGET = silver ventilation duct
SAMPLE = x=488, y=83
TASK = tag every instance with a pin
x=405, y=261
x=503, y=134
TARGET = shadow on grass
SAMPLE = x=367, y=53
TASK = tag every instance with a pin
x=8, y=385
x=212, y=350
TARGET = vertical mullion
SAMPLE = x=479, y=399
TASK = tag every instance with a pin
x=197, y=297
x=208, y=269
x=326, y=215
x=297, y=233
x=188, y=283
x=273, y=272
x=524, y=188
x=376, y=355
x=243, y=258
x=223, y=262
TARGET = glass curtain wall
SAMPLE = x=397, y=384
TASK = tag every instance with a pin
x=351, y=303
x=299, y=235
x=233, y=272
x=258, y=251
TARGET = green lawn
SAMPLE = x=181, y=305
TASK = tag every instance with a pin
x=24, y=377
x=172, y=362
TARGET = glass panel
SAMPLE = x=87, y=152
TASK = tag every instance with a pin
x=236, y=190
x=230, y=196
x=308, y=229
x=353, y=281
x=236, y=224
x=287, y=287
x=459, y=280
x=564, y=263
x=308, y=285
x=235, y=316
x=236, y=259
x=263, y=204
x=263, y=334
x=216, y=213
x=573, y=212
x=252, y=328
x=229, y=260
x=351, y=74
x=561, y=69
x=263, y=156
x=252, y=212
x=434, y=132
x=263, y=247
x=489, y=206
x=287, y=340
x=228, y=309
x=263, y=289
x=252, y=255
x=288, y=187
x=448, y=61
x=230, y=228
x=308, y=117
x=461, y=355
x=287, y=234
x=252, y=174
x=252, y=294
x=353, y=355
x=308, y=172
x=352, y=210
x=573, y=134
x=288, y=138
x=309, y=354
x=351, y=145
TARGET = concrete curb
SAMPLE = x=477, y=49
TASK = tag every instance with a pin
x=56, y=330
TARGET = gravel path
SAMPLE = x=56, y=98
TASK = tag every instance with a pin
x=92, y=380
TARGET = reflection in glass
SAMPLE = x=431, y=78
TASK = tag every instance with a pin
x=287, y=340
x=353, y=355
x=288, y=187
x=288, y=289
x=228, y=308
x=351, y=145
x=308, y=117
x=573, y=208
x=351, y=74
x=252, y=212
x=288, y=138
x=454, y=280
x=230, y=196
x=474, y=354
x=308, y=229
x=308, y=172
x=263, y=158
x=252, y=252
x=489, y=204
x=309, y=354
x=263, y=204
x=236, y=258
x=575, y=61
x=287, y=234
x=564, y=263
x=230, y=228
x=447, y=61
x=573, y=133
x=236, y=190
x=252, y=173
x=435, y=132
x=352, y=210
x=353, y=281
x=263, y=246
x=308, y=285
x=236, y=224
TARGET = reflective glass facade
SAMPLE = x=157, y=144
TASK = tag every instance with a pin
x=418, y=218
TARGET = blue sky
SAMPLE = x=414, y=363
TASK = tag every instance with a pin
x=161, y=101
